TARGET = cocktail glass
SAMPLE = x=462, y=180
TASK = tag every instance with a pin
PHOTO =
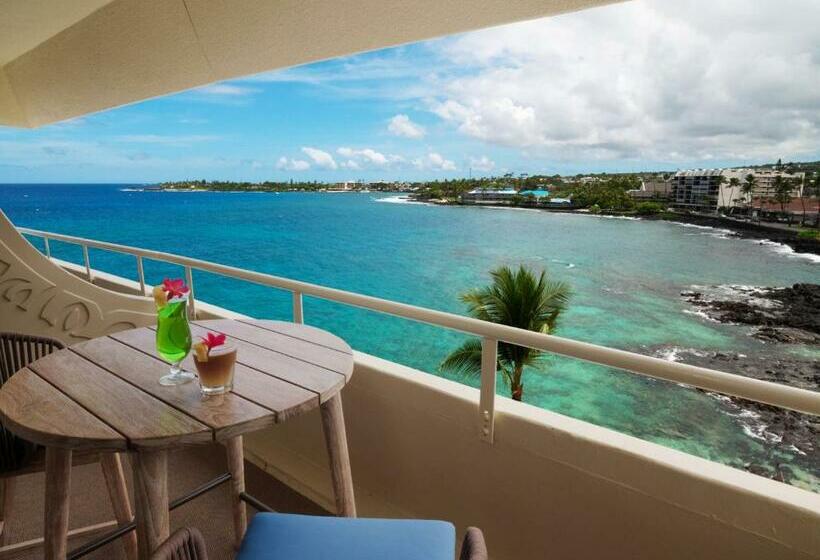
x=174, y=340
x=216, y=372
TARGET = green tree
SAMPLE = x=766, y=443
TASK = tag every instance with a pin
x=748, y=188
x=649, y=208
x=811, y=189
x=734, y=187
x=782, y=192
x=518, y=298
x=721, y=180
x=609, y=194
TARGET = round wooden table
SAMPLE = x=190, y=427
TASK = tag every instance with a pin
x=104, y=395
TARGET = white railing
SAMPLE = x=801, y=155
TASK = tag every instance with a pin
x=491, y=334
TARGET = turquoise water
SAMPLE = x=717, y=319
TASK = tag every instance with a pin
x=627, y=276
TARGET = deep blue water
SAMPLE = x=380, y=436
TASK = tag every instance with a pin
x=627, y=276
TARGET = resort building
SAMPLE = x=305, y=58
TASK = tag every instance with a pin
x=484, y=196
x=764, y=189
x=696, y=189
x=405, y=444
x=652, y=191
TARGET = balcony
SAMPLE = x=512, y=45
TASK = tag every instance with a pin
x=538, y=483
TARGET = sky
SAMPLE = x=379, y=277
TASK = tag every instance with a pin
x=643, y=85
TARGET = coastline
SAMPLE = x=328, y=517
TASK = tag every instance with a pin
x=736, y=228
x=747, y=230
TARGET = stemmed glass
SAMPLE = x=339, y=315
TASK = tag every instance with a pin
x=174, y=336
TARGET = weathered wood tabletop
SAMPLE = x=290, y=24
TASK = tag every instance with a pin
x=104, y=394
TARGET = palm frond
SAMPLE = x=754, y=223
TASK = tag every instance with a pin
x=518, y=298
x=465, y=360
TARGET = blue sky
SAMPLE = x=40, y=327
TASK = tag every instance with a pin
x=641, y=85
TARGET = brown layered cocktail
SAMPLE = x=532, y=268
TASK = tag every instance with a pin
x=215, y=362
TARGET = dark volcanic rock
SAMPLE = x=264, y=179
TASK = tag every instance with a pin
x=782, y=313
x=781, y=316
x=776, y=427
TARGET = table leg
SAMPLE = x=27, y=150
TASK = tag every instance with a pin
x=333, y=425
x=236, y=466
x=58, y=488
x=111, y=464
x=150, y=468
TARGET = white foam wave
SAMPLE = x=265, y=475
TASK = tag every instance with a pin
x=670, y=354
x=608, y=217
x=400, y=199
x=701, y=315
x=779, y=248
x=720, y=233
x=565, y=263
x=787, y=251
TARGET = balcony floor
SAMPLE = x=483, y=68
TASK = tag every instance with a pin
x=187, y=468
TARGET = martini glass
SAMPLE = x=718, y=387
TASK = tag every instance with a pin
x=174, y=340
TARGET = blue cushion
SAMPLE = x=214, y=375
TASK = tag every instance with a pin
x=278, y=536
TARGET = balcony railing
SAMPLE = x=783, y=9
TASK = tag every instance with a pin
x=491, y=334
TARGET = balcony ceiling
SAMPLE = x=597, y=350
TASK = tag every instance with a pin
x=63, y=59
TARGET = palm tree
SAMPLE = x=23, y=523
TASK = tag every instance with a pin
x=517, y=298
x=782, y=192
x=721, y=180
x=734, y=183
x=748, y=188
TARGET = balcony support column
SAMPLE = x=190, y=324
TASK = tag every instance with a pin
x=486, y=404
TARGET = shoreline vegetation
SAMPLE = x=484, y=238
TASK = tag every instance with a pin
x=600, y=194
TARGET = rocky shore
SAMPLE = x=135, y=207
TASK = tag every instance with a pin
x=777, y=316
x=748, y=230
x=787, y=315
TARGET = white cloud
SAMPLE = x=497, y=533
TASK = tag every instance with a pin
x=321, y=158
x=401, y=125
x=292, y=164
x=666, y=81
x=369, y=157
x=229, y=90
x=482, y=164
x=434, y=161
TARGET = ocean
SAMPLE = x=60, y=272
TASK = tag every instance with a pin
x=627, y=276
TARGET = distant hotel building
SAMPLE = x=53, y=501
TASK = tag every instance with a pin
x=478, y=196
x=652, y=190
x=703, y=189
x=764, y=185
x=696, y=189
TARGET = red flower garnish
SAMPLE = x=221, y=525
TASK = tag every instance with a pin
x=175, y=288
x=211, y=340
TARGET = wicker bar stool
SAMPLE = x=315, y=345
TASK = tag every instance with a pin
x=19, y=457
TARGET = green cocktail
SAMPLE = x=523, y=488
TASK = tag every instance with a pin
x=174, y=337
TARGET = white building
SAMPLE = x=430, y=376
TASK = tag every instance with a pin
x=479, y=196
x=764, y=188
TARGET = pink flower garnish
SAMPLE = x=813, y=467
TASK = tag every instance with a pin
x=212, y=340
x=175, y=288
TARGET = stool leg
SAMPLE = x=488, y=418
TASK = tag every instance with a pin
x=6, y=489
x=333, y=424
x=111, y=464
x=236, y=466
x=58, y=489
x=150, y=468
